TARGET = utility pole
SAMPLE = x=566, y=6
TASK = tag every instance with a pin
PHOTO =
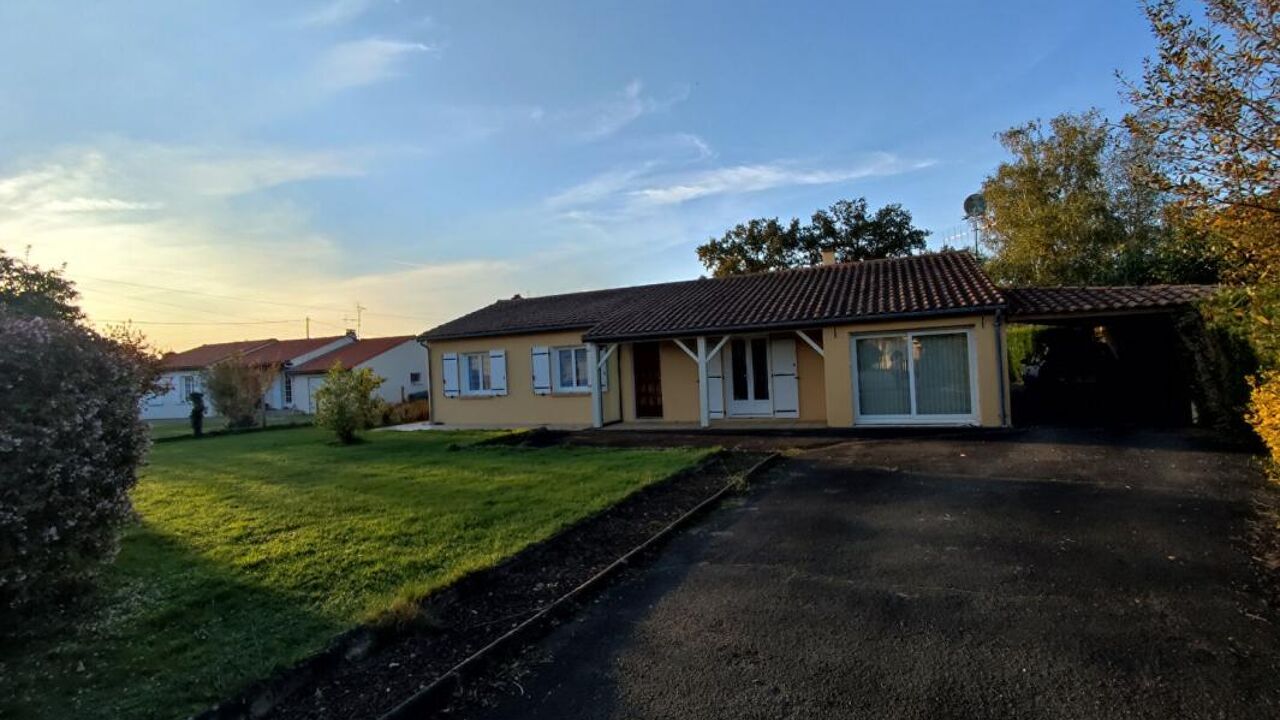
x=308, y=327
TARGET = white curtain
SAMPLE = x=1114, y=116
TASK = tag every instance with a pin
x=942, y=374
x=883, y=376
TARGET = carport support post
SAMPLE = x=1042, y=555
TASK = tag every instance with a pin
x=704, y=393
x=597, y=407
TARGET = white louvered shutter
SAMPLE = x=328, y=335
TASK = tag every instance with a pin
x=449, y=374
x=715, y=384
x=786, y=389
x=498, y=372
x=540, y=360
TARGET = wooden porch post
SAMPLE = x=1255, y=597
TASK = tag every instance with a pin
x=704, y=393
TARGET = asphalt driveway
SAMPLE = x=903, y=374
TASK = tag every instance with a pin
x=1045, y=575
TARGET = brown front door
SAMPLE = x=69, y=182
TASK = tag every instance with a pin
x=648, y=373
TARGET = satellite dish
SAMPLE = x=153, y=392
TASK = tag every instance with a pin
x=975, y=205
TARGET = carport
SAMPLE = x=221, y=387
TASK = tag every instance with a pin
x=1103, y=355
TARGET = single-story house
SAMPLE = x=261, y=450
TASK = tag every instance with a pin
x=907, y=341
x=399, y=361
x=182, y=372
x=181, y=376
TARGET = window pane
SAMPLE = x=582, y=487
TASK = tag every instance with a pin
x=473, y=373
x=564, y=359
x=580, y=376
x=484, y=362
x=739, y=368
x=883, y=378
x=760, y=367
x=942, y=375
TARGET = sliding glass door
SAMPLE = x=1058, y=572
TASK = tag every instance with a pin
x=914, y=378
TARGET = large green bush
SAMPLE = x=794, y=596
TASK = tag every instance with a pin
x=70, y=444
x=346, y=403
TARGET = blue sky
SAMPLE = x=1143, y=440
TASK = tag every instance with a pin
x=224, y=162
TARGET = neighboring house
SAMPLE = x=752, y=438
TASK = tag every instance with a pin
x=907, y=341
x=400, y=361
x=182, y=376
x=183, y=372
x=290, y=354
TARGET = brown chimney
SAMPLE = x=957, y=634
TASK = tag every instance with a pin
x=828, y=257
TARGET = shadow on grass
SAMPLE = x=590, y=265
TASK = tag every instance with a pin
x=167, y=633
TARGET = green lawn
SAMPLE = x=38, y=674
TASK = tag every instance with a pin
x=253, y=550
x=177, y=427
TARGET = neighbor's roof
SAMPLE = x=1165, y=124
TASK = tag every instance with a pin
x=1058, y=301
x=283, y=351
x=935, y=284
x=206, y=355
x=353, y=354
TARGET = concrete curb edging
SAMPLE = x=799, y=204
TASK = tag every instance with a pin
x=438, y=693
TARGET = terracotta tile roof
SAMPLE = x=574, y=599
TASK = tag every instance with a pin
x=283, y=351
x=353, y=354
x=938, y=283
x=206, y=355
x=935, y=284
x=1029, y=301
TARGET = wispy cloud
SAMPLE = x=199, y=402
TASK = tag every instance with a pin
x=754, y=178
x=625, y=107
x=646, y=187
x=336, y=12
x=364, y=62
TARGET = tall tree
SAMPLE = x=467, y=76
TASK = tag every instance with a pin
x=26, y=289
x=1073, y=206
x=846, y=228
x=1208, y=106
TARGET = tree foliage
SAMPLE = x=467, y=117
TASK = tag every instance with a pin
x=29, y=290
x=1208, y=107
x=1074, y=206
x=847, y=228
x=71, y=438
x=346, y=403
x=236, y=387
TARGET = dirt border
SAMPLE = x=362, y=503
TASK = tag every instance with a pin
x=359, y=651
x=437, y=695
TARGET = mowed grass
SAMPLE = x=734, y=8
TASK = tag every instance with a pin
x=254, y=550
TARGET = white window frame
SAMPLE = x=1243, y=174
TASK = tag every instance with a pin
x=288, y=391
x=559, y=388
x=914, y=418
x=191, y=382
x=486, y=373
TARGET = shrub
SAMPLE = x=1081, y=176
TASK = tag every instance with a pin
x=405, y=412
x=71, y=441
x=236, y=388
x=346, y=403
x=1264, y=410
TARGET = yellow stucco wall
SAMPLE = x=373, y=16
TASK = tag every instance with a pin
x=839, y=368
x=811, y=377
x=520, y=406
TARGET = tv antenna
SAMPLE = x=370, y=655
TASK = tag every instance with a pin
x=975, y=207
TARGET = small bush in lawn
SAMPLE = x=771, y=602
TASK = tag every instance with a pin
x=71, y=441
x=236, y=388
x=346, y=403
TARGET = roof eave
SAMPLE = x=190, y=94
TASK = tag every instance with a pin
x=793, y=324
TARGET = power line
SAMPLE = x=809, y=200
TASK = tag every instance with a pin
x=241, y=299
x=159, y=322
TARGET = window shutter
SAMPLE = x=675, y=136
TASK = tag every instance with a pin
x=786, y=389
x=715, y=385
x=604, y=376
x=449, y=374
x=540, y=358
x=498, y=372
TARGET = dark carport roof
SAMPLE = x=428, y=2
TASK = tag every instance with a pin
x=934, y=284
x=1046, y=302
